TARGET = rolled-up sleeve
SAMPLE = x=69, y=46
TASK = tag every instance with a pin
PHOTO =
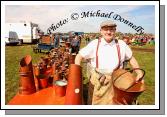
x=128, y=52
x=88, y=51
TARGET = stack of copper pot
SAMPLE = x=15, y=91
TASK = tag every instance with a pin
x=42, y=73
x=56, y=69
x=61, y=59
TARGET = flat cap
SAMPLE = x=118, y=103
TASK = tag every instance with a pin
x=108, y=23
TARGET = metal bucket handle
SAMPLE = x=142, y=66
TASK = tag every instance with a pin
x=131, y=72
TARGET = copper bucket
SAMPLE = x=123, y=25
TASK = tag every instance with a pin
x=60, y=87
x=74, y=87
x=126, y=88
x=27, y=83
x=43, y=81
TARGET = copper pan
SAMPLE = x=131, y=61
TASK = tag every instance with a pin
x=126, y=88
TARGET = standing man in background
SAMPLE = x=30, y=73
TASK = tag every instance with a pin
x=75, y=43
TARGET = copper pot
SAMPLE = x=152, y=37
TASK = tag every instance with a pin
x=43, y=81
x=126, y=89
x=27, y=83
x=60, y=87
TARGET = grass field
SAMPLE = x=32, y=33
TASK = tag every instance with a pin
x=13, y=55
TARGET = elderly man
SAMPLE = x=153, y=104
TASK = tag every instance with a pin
x=106, y=54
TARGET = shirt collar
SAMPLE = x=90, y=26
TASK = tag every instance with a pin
x=103, y=42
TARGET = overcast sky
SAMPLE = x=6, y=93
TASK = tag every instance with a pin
x=45, y=15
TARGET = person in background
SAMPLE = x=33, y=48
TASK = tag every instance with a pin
x=152, y=41
x=56, y=41
x=75, y=43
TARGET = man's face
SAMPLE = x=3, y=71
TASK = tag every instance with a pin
x=108, y=33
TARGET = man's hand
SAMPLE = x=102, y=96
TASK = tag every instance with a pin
x=104, y=80
x=139, y=76
x=134, y=64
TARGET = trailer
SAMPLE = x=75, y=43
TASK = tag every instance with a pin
x=12, y=39
x=46, y=43
x=28, y=32
x=45, y=47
